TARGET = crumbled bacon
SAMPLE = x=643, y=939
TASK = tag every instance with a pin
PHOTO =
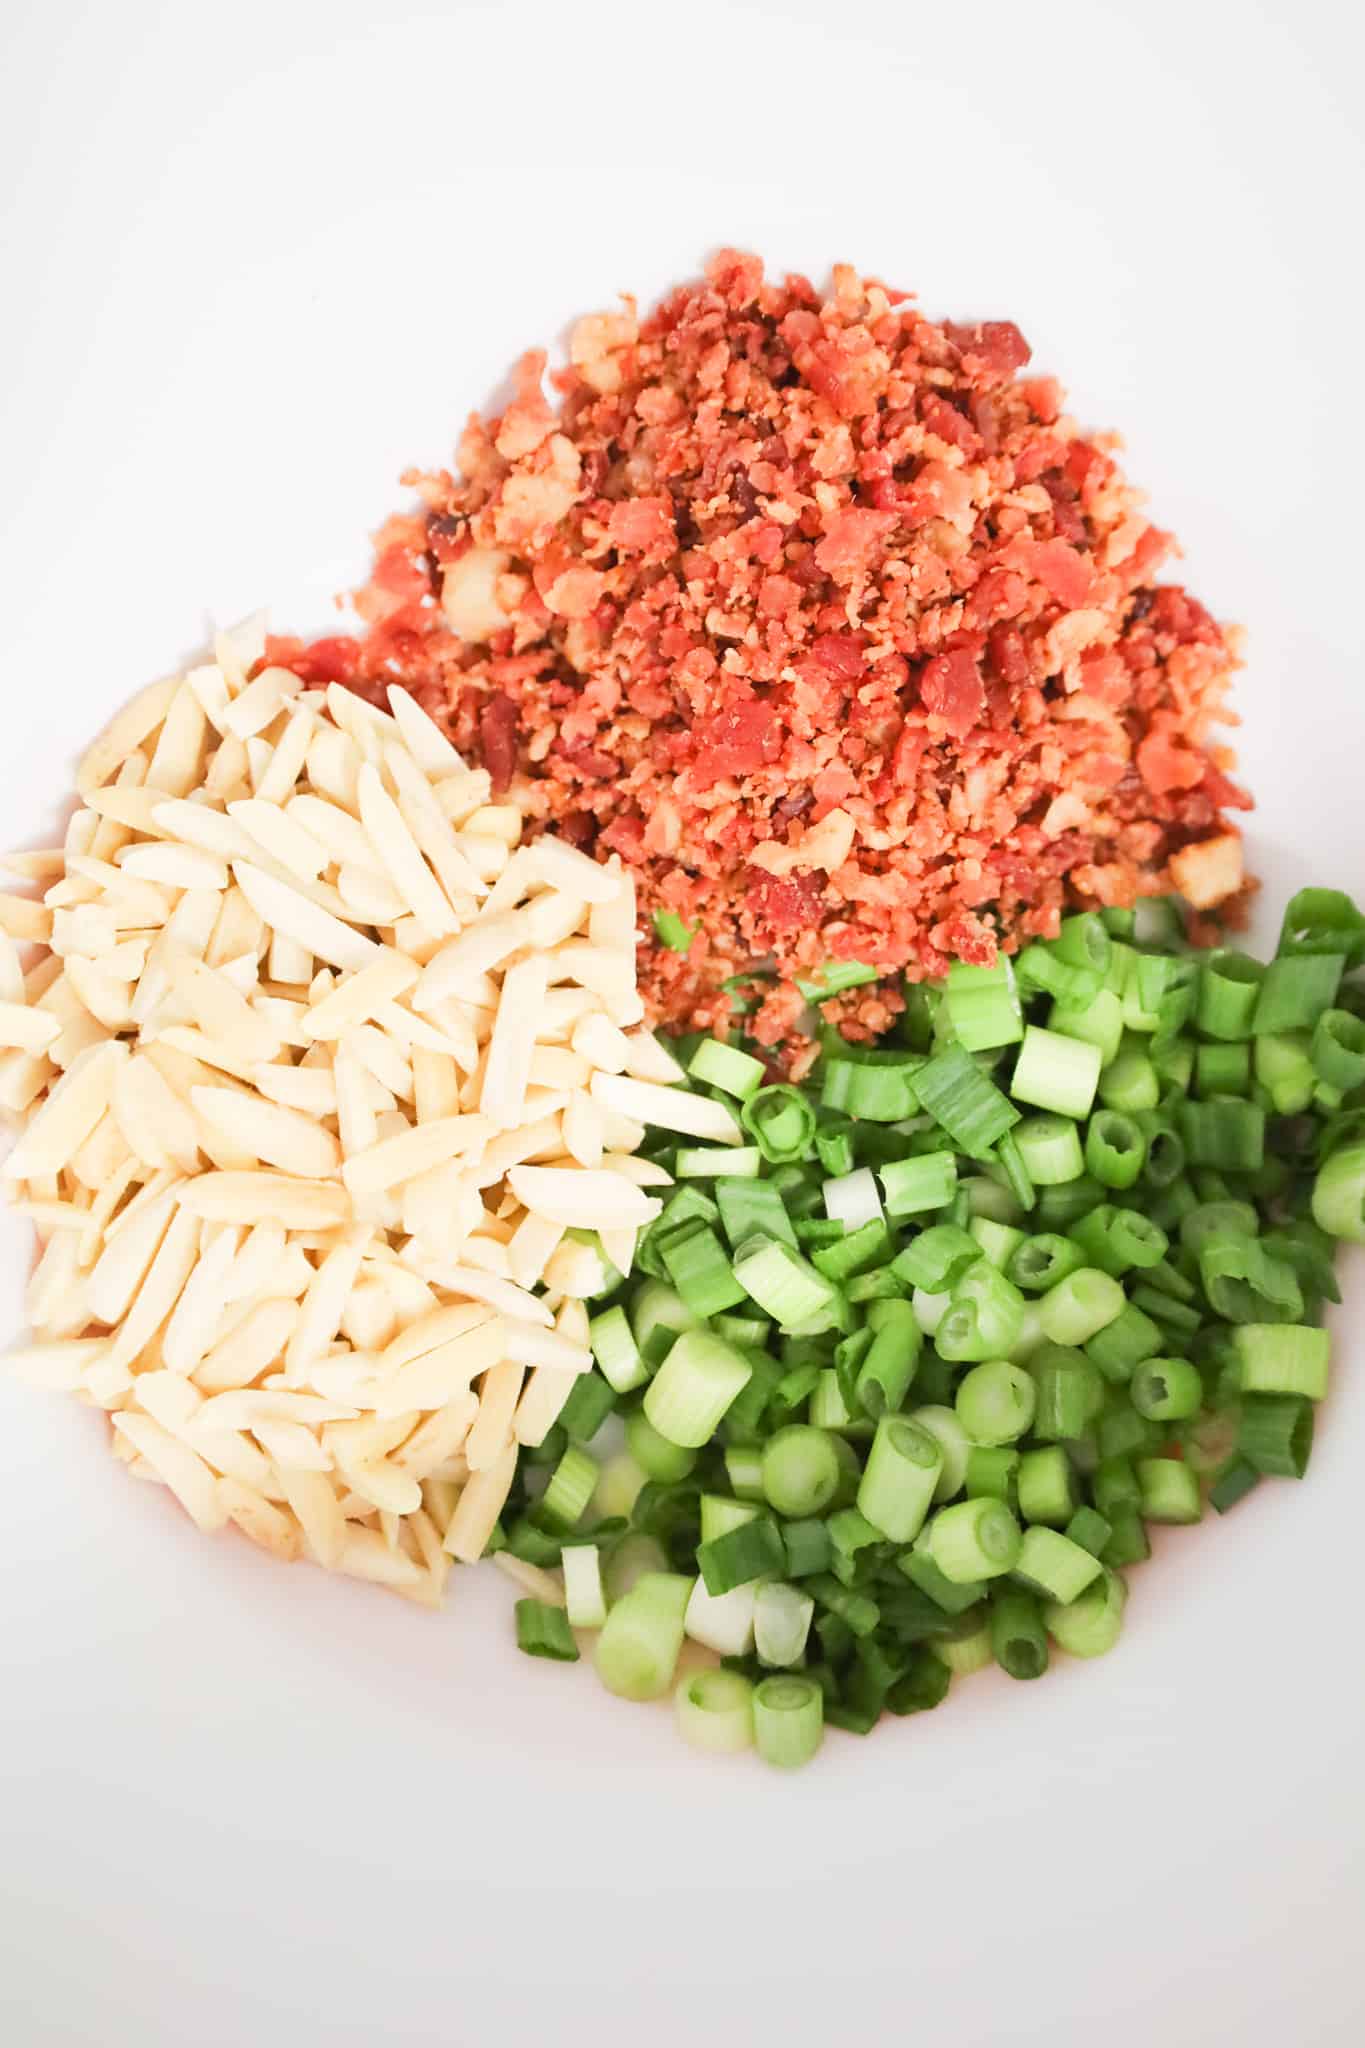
x=769, y=556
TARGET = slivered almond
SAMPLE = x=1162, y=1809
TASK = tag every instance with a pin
x=280, y=837
x=697, y=1116
x=417, y=1150
x=128, y=729
x=155, y=1122
x=422, y=737
x=400, y=855
x=281, y=1137
x=178, y=1467
x=291, y=913
x=310, y=1089
x=253, y=1197
x=581, y=1198
x=440, y=1375
x=73, y=1108
x=357, y=999
x=261, y=702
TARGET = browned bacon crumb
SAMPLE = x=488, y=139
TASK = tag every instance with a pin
x=829, y=620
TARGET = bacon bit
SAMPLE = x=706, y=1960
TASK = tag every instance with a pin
x=840, y=653
x=639, y=524
x=1164, y=766
x=785, y=903
x=736, y=741
x=498, y=739
x=336, y=660
x=951, y=689
x=1061, y=569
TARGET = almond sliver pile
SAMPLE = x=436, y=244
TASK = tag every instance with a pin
x=329, y=1092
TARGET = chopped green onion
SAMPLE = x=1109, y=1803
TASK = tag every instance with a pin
x=983, y=1005
x=828, y=1409
x=1053, y=1566
x=1323, y=921
x=637, y=1651
x=1236, y=1480
x=1090, y=1529
x=700, y=1271
x=995, y=1402
x=693, y=1387
x=880, y=1087
x=785, y=1285
x=889, y=1364
x=1050, y=1147
x=1088, y=1625
x=1115, y=1148
x=960, y=1098
x=1339, y=1194
x=1337, y=1049
x=1047, y=1487
x=718, y=1162
x=670, y=931
x=1283, y=1358
x=589, y=1404
x=1099, y=1021
x=715, y=1712
x=801, y=1470
x=937, y=1259
x=808, y=1548
x=1129, y=1083
x=1276, y=1434
x=716, y=1065
x=657, y=1318
x=618, y=1487
x=1129, y=1542
x=1225, y=1134
x=847, y=1256
x=724, y=1622
x=752, y=1550
x=744, y=1470
x=1229, y=991
x=781, y=1122
x=1120, y=1346
x=658, y=1458
x=544, y=1631
x=1115, y=1240
x=928, y=1181
x=992, y=1473
x=572, y=1486
x=917, y=1563
x=584, y=1598
x=1245, y=1284
x=902, y=1470
x=1056, y=1073
x=782, y=1619
x=1166, y=1389
x=967, y=1647
x=836, y=976
x=1223, y=1069
x=1069, y=1393
x=1170, y=1490
x=1080, y=1306
x=945, y=1426
x=984, y=1317
x=974, y=1540
x=1018, y=1638
x=615, y=1349
x=788, y=1720
x=1040, y=1262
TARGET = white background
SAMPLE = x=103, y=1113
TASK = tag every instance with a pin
x=256, y=259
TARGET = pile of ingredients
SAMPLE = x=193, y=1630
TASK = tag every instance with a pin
x=832, y=623
x=798, y=689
